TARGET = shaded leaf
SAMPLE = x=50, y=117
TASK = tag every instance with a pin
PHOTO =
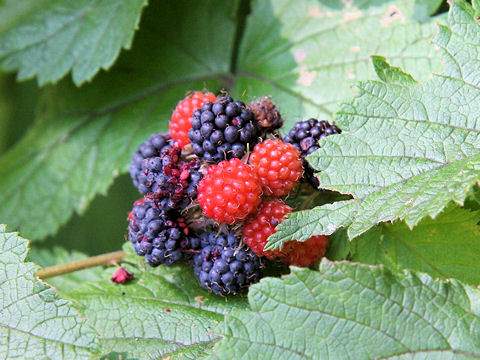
x=62, y=35
x=446, y=247
x=338, y=246
x=34, y=322
x=351, y=311
x=425, y=8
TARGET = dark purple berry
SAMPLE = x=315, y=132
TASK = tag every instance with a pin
x=156, y=234
x=226, y=122
x=222, y=265
x=305, y=136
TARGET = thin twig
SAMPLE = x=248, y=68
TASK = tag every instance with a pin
x=104, y=259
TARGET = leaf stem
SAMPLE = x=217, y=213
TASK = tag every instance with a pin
x=104, y=259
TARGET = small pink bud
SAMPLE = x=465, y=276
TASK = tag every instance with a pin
x=121, y=275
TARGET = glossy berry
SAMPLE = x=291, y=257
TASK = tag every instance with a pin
x=222, y=265
x=181, y=121
x=229, y=192
x=278, y=165
x=152, y=148
x=156, y=234
x=223, y=130
x=305, y=136
x=260, y=226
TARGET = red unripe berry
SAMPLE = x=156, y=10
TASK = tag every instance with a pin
x=305, y=253
x=181, y=120
x=278, y=166
x=260, y=226
x=229, y=192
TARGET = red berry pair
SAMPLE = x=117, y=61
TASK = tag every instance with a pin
x=260, y=226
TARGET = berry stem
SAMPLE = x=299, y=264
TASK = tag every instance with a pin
x=104, y=259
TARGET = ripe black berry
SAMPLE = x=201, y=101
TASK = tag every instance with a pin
x=222, y=265
x=147, y=153
x=305, y=136
x=223, y=130
x=157, y=234
x=169, y=179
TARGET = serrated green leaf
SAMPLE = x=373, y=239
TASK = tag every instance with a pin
x=406, y=150
x=351, y=311
x=446, y=247
x=34, y=322
x=59, y=255
x=307, y=53
x=63, y=35
x=162, y=313
x=85, y=137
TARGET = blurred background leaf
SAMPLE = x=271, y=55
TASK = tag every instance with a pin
x=445, y=247
x=83, y=35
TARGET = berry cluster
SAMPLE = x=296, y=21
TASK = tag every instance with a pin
x=213, y=189
x=305, y=136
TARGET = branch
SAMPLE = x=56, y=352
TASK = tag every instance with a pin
x=105, y=259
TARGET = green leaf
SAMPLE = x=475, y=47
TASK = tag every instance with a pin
x=63, y=35
x=66, y=282
x=406, y=150
x=338, y=246
x=34, y=322
x=425, y=8
x=472, y=200
x=5, y=111
x=351, y=311
x=162, y=312
x=85, y=137
x=307, y=53
x=446, y=247
x=390, y=74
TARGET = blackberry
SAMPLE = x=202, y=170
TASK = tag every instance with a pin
x=305, y=136
x=152, y=148
x=223, y=130
x=171, y=181
x=222, y=265
x=157, y=234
